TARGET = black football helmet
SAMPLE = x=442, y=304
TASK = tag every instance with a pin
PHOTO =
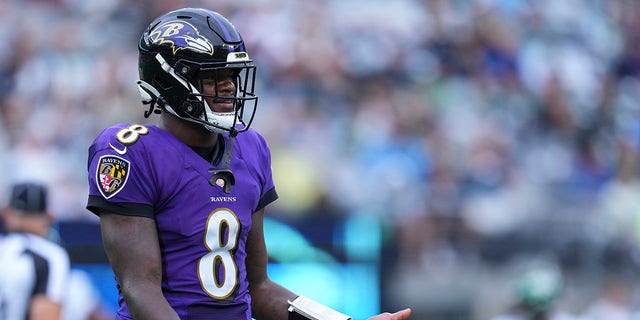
x=180, y=49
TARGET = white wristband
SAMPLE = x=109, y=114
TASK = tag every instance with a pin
x=314, y=310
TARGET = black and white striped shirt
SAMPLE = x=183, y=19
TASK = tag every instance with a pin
x=29, y=265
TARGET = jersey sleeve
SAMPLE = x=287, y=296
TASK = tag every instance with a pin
x=119, y=175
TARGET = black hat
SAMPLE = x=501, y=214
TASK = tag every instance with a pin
x=29, y=197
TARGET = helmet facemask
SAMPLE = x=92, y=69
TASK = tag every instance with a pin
x=213, y=91
x=197, y=104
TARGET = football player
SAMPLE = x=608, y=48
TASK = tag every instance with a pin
x=181, y=204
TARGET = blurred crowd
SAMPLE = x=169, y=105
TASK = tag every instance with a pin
x=480, y=132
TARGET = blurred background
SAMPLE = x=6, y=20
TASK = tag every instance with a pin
x=425, y=152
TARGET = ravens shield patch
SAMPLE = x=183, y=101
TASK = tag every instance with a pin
x=111, y=175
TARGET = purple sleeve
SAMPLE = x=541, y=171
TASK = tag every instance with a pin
x=118, y=173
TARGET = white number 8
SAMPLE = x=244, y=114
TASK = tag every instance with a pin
x=219, y=255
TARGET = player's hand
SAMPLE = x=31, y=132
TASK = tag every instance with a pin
x=400, y=315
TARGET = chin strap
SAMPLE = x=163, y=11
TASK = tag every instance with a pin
x=224, y=177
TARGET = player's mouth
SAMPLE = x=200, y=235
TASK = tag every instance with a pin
x=223, y=105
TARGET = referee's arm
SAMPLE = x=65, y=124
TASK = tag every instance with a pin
x=52, y=268
x=43, y=308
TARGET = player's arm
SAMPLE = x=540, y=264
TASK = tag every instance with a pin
x=268, y=299
x=132, y=246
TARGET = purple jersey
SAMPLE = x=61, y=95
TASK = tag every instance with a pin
x=146, y=171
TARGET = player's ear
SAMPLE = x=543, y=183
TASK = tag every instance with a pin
x=8, y=217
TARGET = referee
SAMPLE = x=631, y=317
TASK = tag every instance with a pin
x=33, y=270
